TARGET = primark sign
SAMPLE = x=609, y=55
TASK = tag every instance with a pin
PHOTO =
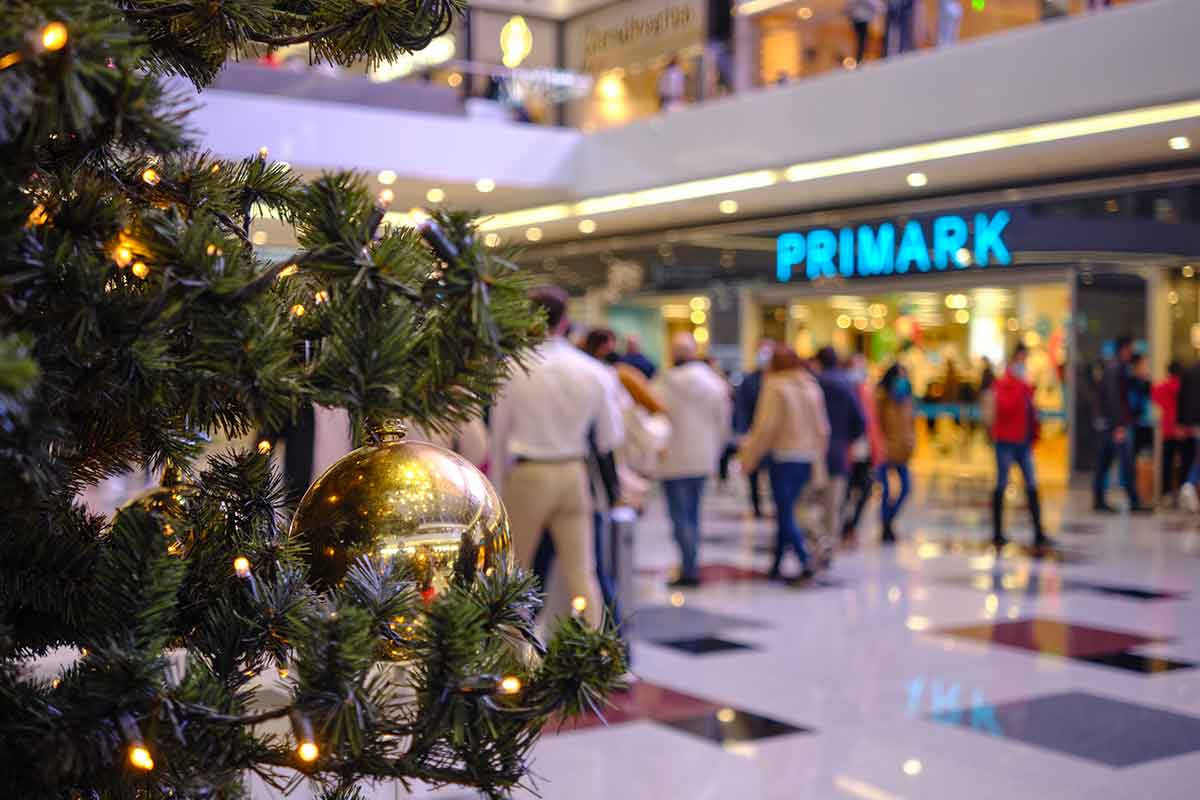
x=948, y=243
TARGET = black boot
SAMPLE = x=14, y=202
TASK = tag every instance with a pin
x=1040, y=539
x=889, y=535
x=998, y=539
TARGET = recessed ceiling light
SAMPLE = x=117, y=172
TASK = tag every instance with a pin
x=435, y=195
x=492, y=239
x=804, y=12
x=485, y=185
x=1179, y=143
x=587, y=226
x=386, y=177
x=728, y=206
x=533, y=234
x=917, y=179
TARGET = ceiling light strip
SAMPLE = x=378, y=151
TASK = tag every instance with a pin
x=849, y=165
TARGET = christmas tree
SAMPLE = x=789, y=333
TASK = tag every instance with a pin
x=137, y=321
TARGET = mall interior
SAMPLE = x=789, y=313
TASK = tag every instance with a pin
x=936, y=184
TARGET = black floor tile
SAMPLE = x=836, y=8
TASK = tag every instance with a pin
x=1135, y=662
x=1128, y=592
x=703, y=645
x=671, y=623
x=728, y=726
x=1100, y=729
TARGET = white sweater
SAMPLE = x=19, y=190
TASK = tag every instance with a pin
x=698, y=404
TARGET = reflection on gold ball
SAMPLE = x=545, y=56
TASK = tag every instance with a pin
x=167, y=502
x=427, y=508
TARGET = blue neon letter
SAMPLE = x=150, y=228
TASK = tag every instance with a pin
x=789, y=251
x=876, y=251
x=846, y=252
x=822, y=246
x=949, y=236
x=913, y=249
x=988, y=239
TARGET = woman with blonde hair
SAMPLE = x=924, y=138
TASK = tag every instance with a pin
x=791, y=425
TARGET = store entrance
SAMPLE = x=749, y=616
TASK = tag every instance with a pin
x=953, y=344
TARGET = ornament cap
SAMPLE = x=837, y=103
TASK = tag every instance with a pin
x=387, y=430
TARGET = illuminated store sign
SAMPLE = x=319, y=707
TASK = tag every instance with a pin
x=871, y=250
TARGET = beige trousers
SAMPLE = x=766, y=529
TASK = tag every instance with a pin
x=554, y=497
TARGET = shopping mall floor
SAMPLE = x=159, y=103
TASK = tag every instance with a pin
x=931, y=670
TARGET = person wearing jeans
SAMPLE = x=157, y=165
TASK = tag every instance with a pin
x=697, y=402
x=894, y=412
x=788, y=480
x=1014, y=430
x=683, y=506
x=791, y=424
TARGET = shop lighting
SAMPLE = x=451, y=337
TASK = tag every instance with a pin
x=698, y=303
x=516, y=41
x=454, y=80
x=485, y=185
x=701, y=335
x=844, y=321
x=1188, y=271
x=1179, y=143
x=491, y=240
x=435, y=195
x=753, y=7
x=962, y=316
x=854, y=164
x=699, y=317
x=912, y=767
x=533, y=234
x=728, y=206
x=917, y=179
x=691, y=190
x=587, y=226
x=387, y=177
x=804, y=12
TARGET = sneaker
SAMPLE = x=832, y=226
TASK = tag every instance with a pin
x=684, y=583
x=1104, y=508
x=1141, y=509
x=1189, y=500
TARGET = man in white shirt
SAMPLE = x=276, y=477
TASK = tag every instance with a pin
x=540, y=427
x=698, y=403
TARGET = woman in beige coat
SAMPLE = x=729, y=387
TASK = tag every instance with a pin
x=791, y=428
x=894, y=410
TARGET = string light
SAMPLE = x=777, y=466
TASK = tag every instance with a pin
x=216, y=168
x=510, y=685
x=140, y=269
x=386, y=196
x=123, y=256
x=264, y=447
x=140, y=757
x=288, y=271
x=54, y=36
x=241, y=567
x=211, y=249
x=307, y=750
x=298, y=310
x=321, y=296
x=150, y=176
x=263, y=152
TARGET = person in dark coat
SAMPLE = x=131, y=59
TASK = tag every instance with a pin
x=634, y=357
x=1115, y=427
x=1189, y=422
x=745, y=400
x=846, y=423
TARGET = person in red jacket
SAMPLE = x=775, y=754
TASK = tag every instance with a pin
x=1014, y=430
x=1177, y=439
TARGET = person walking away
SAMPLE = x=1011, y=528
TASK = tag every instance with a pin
x=866, y=452
x=894, y=410
x=790, y=424
x=745, y=400
x=901, y=34
x=1014, y=430
x=862, y=13
x=541, y=423
x=1114, y=425
x=634, y=357
x=698, y=405
x=846, y=424
x=1189, y=423
x=1176, y=458
x=672, y=86
x=950, y=14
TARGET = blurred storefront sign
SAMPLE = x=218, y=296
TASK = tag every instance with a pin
x=629, y=33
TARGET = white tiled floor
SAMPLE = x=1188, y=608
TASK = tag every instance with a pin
x=847, y=663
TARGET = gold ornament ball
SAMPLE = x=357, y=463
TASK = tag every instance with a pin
x=421, y=505
x=168, y=502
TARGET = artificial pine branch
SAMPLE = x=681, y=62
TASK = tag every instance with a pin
x=137, y=321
